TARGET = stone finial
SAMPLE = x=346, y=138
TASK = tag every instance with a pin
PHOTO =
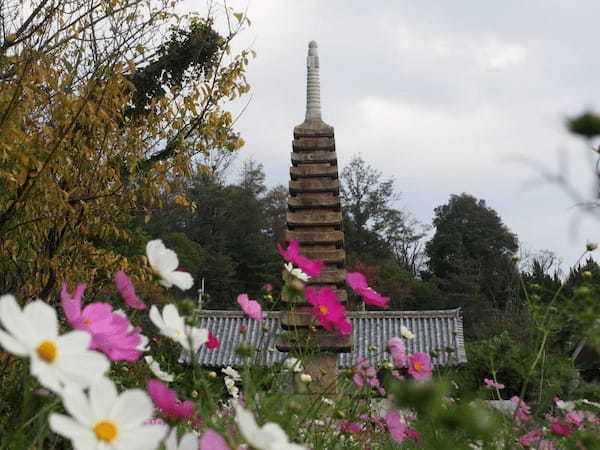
x=313, y=89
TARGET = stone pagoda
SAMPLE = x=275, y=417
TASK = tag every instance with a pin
x=314, y=219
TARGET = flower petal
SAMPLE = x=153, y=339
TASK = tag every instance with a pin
x=11, y=345
x=77, y=404
x=103, y=395
x=14, y=321
x=183, y=280
x=133, y=407
x=172, y=318
x=73, y=342
x=143, y=437
x=210, y=440
x=156, y=318
x=42, y=318
x=69, y=428
x=83, y=368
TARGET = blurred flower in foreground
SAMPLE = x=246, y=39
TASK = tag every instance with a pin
x=127, y=290
x=106, y=420
x=310, y=267
x=56, y=360
x=168, y=403
x=251, y=308
x=358, y=282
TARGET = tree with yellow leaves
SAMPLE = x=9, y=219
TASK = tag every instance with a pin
x=103, y=104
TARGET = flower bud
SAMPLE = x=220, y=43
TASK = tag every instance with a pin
x=388, y=365
x=305, y=378
x=587, y=274
x=211, y=374
x=591, y=246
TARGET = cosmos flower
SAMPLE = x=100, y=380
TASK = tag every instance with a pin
x=532, y=436
x=172, y=325
x=127, y=290
x=310, y=267
x=251, y=308
x=168, y=403
x=268, y=437
x=106, y=420
x=419, y=366
x=212, y=341
x=330, y=313
x=406, y=333
x=56, y=361
x=164, y=262
x=398, y=351
x=111, y=331
x=358, y=282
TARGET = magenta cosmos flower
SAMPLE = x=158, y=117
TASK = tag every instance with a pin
x=419, y=366
x=365, y=373
x=212, y=342
x=211, y=440
x=251, y=308
x=127, y=290
x=330, y=313
x=398, y=430
x=358, y=282
x=398, y=351
x=310, y=267
x=111, y=333
x=166, y=400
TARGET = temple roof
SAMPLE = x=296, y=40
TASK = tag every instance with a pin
x=433, y=330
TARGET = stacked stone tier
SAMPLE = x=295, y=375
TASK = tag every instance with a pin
x=314, y=219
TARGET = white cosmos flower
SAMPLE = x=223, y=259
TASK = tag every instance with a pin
x=189, y=441
x=164, y=262
x=293, y=364
x=406, y=333
x=296, y=272
x=268, y=437
x=172, y=325
x=157, y=371
x=232, y=373
x=105, y=420
x=55, y=360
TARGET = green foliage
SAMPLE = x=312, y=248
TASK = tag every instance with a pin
x=586, y=125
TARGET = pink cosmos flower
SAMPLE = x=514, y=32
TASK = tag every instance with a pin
x=532, y=436
x=395, y=425
x=365, y=373
x=492, y=384
x=419, y=366
x=166, y=400
x=111, y=333
x=560, y=429
x=127, y=290
x=310, y=267
x=212, y=342
x=242, y=327
x=268, y=287
x=358, y=282
x=397, y=375
x=575, y=418
x=211, y=440
x=330, y=313
x=251, y=308
x=524, y=411
x=398, y=351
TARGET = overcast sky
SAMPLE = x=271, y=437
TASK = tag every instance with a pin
x=447, y=97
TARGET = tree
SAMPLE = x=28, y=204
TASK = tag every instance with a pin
x=102, y=105
x=374, y=228
x=470, y=256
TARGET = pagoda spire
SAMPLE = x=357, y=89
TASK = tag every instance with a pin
x=313, y=85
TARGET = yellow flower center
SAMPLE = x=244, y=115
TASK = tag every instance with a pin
x=418, y=366
x=105, y=430
x=324, y=310
x=87, y=322
x=47, y=351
